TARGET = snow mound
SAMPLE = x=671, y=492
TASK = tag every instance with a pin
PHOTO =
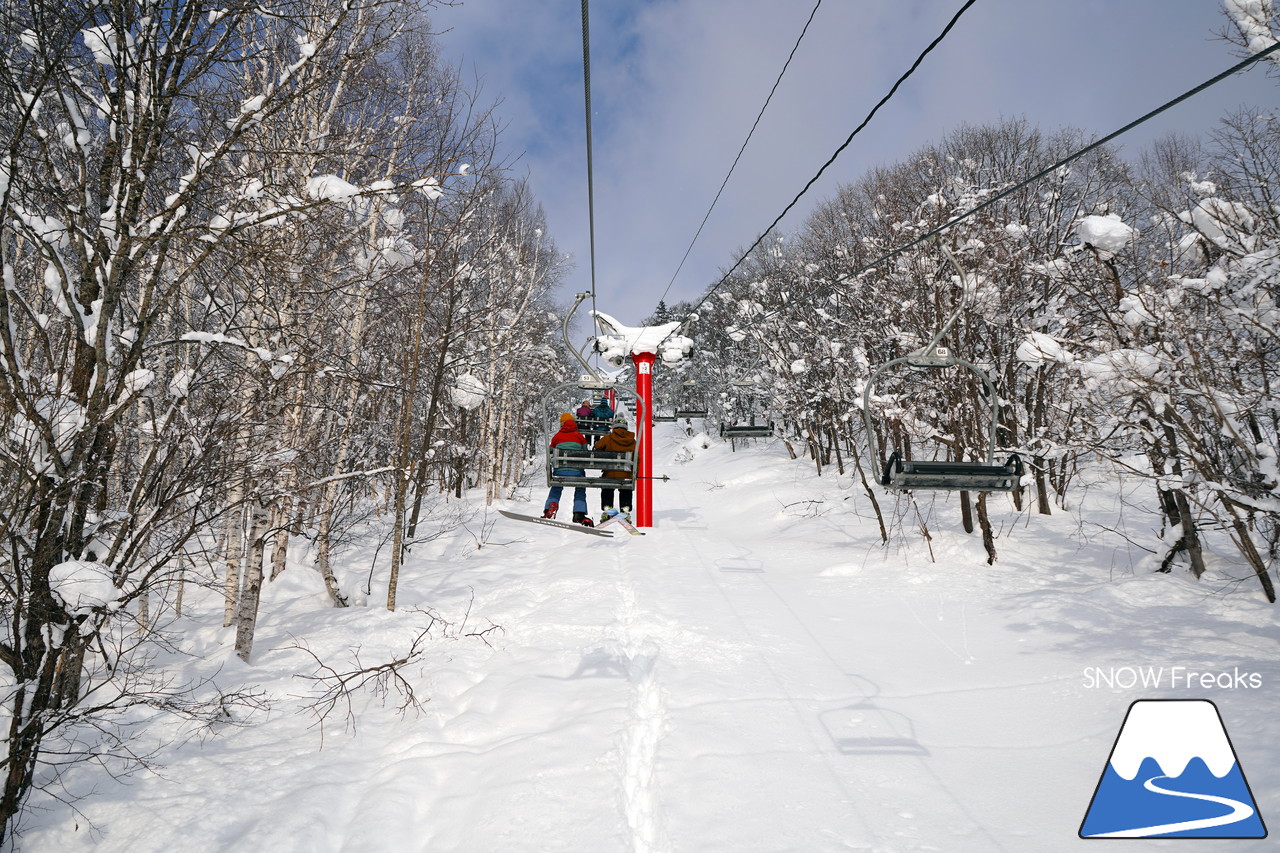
x=83, y=585
x=1107, y=233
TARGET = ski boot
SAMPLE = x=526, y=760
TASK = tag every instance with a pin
x=550, y=511
x=606, y=513
x=581, y=518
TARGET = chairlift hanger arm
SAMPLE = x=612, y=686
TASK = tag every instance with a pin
x=932, y=355
x=928, y=352
x=564, y=331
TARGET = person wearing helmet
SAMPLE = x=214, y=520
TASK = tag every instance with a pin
x=619, y=440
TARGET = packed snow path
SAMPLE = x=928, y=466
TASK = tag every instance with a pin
x=758, y=673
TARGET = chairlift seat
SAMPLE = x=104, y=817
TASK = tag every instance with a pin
x=908, y=474
x=691, y=413
x=587, y=461
x=746, y=430
x=664, y=419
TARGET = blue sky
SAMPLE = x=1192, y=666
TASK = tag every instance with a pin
x=676, y=85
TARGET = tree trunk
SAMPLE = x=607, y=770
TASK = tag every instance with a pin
x=1244, y=543
x=397, y=537
x=247, y=611
x=234, y=556
x=988, y=535
x=871, y=495
x=966, y=512
x=182, y=585
x=1042, y=487
x=280, y=541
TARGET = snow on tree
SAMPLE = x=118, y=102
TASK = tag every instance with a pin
x=225, y=229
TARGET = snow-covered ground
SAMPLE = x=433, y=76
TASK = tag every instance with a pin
x=758, y=673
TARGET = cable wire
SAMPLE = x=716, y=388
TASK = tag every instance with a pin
x=754, y=125
x=892, y=91
x=591, y=201
x=1067, y=160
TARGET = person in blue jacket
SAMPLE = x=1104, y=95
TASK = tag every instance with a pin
x=602, y=411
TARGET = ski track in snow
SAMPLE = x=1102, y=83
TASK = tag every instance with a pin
x=891, y=826
x=645, y=726
x=757, y=675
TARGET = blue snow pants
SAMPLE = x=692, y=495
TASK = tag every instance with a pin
x=579, y=498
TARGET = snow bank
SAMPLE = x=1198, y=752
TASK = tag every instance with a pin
x=690, y=449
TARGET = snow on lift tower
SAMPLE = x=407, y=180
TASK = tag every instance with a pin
x=901, y=475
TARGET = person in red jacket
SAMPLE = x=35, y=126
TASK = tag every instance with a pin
x=620, y=440
x=570, y=438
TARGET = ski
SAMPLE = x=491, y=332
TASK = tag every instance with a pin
x=551, y=522
x=630, y=528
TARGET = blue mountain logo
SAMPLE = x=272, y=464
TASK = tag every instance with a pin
x=1173, y=773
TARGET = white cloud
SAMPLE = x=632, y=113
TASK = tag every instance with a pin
x=677, y=83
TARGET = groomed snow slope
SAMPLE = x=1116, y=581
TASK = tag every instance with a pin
x=758, y=673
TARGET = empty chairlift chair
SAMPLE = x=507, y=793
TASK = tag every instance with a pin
x=901, y=475
x=690, y=410
x=750, y=429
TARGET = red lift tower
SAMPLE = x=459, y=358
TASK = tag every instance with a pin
x=643, y=345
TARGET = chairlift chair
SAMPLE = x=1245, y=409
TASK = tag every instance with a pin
x=594, y=427
x=750, y=429
x=689, y=412
x=901, y=475
x=585, y=460
x=747, y=430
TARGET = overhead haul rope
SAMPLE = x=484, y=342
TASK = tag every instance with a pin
x=892, y=91
x=591, y=202
x=754, y=125
x=1070, y=158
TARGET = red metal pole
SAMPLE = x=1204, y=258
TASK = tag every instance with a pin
x=644, y=429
